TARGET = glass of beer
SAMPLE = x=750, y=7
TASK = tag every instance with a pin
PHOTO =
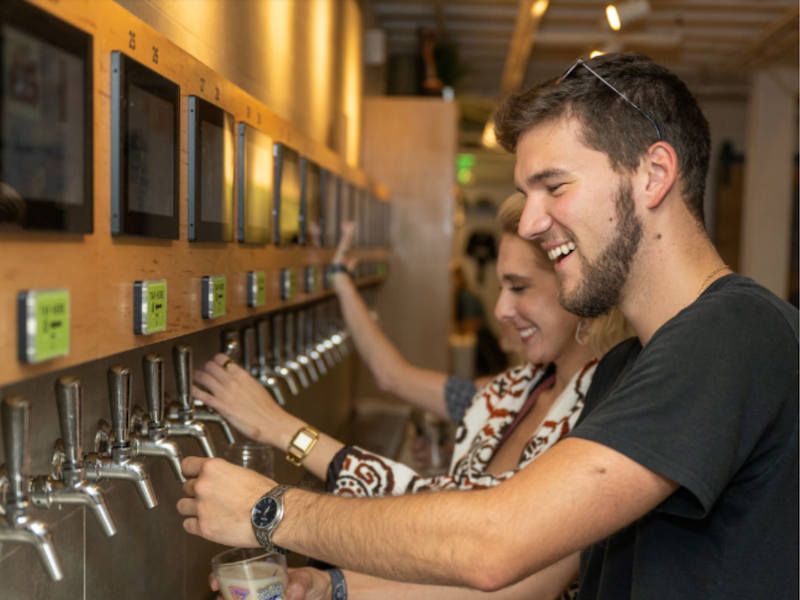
x=251, y=574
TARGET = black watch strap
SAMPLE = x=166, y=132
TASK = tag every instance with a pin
x=340, y=268
x=338, y=585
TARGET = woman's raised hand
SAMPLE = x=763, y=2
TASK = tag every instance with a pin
x=244, y=402
x=342, y=255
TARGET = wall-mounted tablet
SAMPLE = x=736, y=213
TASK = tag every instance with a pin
x=287, y=194
x=312, y=193
x=330, y=210
x=45, y=122
x=211, y=169
x=145, y=120
x=255, y=186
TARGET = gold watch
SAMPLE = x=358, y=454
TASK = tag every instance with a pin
x=301, y=445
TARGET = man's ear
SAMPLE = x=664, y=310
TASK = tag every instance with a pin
x=660, y=166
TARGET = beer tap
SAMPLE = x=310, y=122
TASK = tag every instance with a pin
x=340, y=336
x=323, y=345
x=114, y=456
x=279, y=345
x=254, y=365
x=69, y=483
x=185, y=424
x=152, y=439
x=269, y=361
x=305, y=324
x=295, y=346
x=233, y=350
x=333, y=338
x=16, y=526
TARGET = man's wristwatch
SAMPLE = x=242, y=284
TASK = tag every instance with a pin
x=266, y=515
x=301, y=445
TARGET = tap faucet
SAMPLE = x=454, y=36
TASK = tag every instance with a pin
x=323, y=345
x=278, y=347
x=152, y=439
x=305, y=324
x=255, y=364
x=185, y=424
x=333, y=342
x=117, y=461
x=295, y=346
x=340, y=337
x=269, y=362
x=15, y=524
x=68, y=483
x=232, y=349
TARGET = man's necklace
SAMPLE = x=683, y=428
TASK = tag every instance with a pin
x=708, y=279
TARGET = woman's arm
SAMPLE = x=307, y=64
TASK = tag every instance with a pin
x=547, y=584
x=247, y=406
x=421, y=387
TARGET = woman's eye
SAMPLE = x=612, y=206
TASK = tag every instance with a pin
x=554, y=188
x=517, y=289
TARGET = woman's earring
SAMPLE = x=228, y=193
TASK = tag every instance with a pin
x=582, y=332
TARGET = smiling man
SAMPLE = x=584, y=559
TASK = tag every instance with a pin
x=681, y=479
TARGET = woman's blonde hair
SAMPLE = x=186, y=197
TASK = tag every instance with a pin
x=606, y=331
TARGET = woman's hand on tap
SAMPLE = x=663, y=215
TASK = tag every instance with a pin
x=244, y=402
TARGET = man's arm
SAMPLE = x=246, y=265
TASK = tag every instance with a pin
x=575, y=494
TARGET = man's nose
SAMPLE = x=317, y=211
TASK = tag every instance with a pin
x=535, y=220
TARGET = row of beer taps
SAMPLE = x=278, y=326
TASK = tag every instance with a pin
x=290, y=348
x=294, y=347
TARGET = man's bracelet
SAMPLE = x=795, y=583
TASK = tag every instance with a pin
x=338, y=585
x=340, y=268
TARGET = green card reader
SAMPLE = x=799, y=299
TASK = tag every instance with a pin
x=43, y=324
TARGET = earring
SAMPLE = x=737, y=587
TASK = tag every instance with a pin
x=582, y=332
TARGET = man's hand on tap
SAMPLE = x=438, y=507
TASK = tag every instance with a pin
x=219, y=498
x=244, y=402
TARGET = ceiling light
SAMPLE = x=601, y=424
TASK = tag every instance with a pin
x=626, y=13
x=539, y=7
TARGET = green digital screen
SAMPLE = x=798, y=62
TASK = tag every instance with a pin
x=311, y=280
x=261, y=288
x=44, y=330
x=288, y=284
x=381, y=269
x=220, y=292
x=156, y=306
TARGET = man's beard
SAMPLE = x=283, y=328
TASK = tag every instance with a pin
x=603, y=279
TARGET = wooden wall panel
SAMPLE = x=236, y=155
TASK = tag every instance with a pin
x=419, y=167
x=100, y=270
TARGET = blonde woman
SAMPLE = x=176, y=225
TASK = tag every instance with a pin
x=507, y=425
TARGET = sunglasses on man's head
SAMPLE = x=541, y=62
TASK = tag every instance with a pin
x=580, y=62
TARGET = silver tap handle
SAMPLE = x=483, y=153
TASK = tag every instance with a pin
x=119, y=393
x=69, y=399
x=263, y=351
x=153, y=367
x=16, y=443
x=231, y=346
x=276, y=332
x=249, y=349
x=182, y=355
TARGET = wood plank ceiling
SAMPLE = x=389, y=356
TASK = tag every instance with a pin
x=711, y=44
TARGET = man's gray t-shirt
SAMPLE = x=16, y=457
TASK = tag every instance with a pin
x=711, y=403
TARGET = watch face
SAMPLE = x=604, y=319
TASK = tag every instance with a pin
x=303, y=441
x=264, y=512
